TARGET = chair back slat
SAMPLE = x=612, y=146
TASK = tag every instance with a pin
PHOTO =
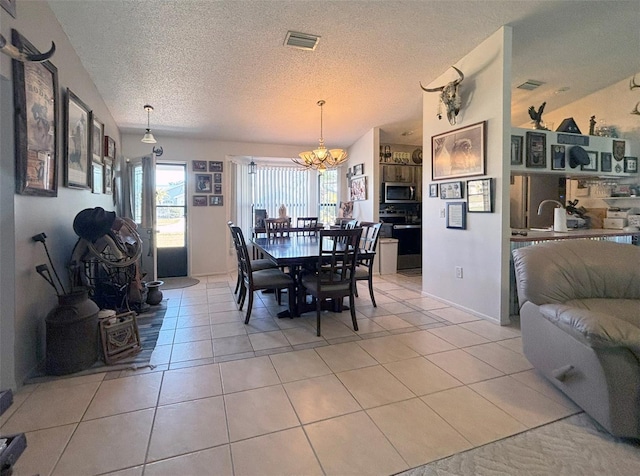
x=277, y=227
x=338, y=255
x=304, y=223
x=244, y=261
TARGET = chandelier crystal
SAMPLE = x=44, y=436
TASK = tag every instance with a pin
x=321, y=159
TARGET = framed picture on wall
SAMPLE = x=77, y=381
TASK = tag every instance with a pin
x=358, y=189
x=433, y=190
x=516, y=150
x=215, y=166
x=480, y=195
x=97, y=179
x=459, y=153
x=457, y=215
x=77, y=142
x=216, y=200
x=203, y=183
x=199, y=165
x=593, y=161
x=558, y=157
x=199, y=200
x=35, y=92
x=96, y=140
x=108, y=176
x=631, y=165
x=536, y=149
x=109, y=147
x=606, y=162
x=451, y=190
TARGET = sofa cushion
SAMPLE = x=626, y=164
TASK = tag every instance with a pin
x=595, y=328
x=625, y=309
x=560, y=271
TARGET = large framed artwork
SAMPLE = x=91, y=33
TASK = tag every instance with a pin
x=77, y=143
x=459, y=153
x=36, y=118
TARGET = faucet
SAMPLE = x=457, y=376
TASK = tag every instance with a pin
x=559, y=215
x=560, y=205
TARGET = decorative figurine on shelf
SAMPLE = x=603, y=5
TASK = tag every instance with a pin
x=282, y=211
x=536, y=117
x=592, y=125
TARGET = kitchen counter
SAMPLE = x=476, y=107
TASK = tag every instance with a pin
x=533, y=235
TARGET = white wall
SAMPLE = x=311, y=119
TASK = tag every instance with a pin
x=366, y=150
x=612, y=104
x=208, y=234
x=482, y=250
x=25, y=305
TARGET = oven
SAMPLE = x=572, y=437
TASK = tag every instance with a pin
x=409, y=245
x=409, y=236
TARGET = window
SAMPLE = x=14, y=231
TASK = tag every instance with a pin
x=303, y=193
x=328, y=196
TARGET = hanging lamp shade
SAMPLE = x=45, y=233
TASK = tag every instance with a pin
x=148, y=136
x=321, y=159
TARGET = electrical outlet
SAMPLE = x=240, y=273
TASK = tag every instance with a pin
x=459, y=272
x=442, y=213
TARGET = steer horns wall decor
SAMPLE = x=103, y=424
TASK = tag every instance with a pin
x=22, y=55
x=449, y=97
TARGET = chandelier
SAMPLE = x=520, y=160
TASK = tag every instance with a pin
x=321, y=159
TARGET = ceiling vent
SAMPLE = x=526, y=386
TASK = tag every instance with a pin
x=530, y=84
x=303, y=41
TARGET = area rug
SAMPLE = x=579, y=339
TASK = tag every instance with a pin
x=576, y=445
x=178, y=283
x=149, y=324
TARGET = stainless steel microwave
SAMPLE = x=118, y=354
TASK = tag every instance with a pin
x=399, y=192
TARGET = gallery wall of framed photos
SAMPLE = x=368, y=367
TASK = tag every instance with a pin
x=43, y=115
x=542, y=151
x=461, y=153
x=208, y=183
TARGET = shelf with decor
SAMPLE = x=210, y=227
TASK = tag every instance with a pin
x=536, y=151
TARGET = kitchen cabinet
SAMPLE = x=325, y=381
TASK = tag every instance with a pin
x=401, y=173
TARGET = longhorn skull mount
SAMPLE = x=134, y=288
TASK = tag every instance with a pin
x=449, y=97
x=24, y=55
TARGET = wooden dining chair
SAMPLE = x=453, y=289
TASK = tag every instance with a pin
x=307, y=226
x=335, y=273
x=364, y=268
x=277, y=227
x=351, y=224
x=257, y=280
x=256, y=264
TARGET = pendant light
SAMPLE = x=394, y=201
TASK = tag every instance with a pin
x=148, y=136
x=321, y=158
x=253, y=167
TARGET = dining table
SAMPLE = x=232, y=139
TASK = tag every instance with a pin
x=297, y=253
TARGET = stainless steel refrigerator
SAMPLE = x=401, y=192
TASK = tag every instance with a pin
x=527, y=191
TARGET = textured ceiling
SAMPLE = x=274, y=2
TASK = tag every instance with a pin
x=219, y=70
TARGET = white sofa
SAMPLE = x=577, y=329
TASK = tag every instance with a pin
x=580, y=321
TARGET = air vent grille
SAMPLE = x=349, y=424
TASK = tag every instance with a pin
x=303, y=41
x=530, y=84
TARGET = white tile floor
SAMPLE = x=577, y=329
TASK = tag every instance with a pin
x=418, y=382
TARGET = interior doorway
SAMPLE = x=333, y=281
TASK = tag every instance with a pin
x=171, y=220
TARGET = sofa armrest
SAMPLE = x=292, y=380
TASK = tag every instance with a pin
x=596, y=329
